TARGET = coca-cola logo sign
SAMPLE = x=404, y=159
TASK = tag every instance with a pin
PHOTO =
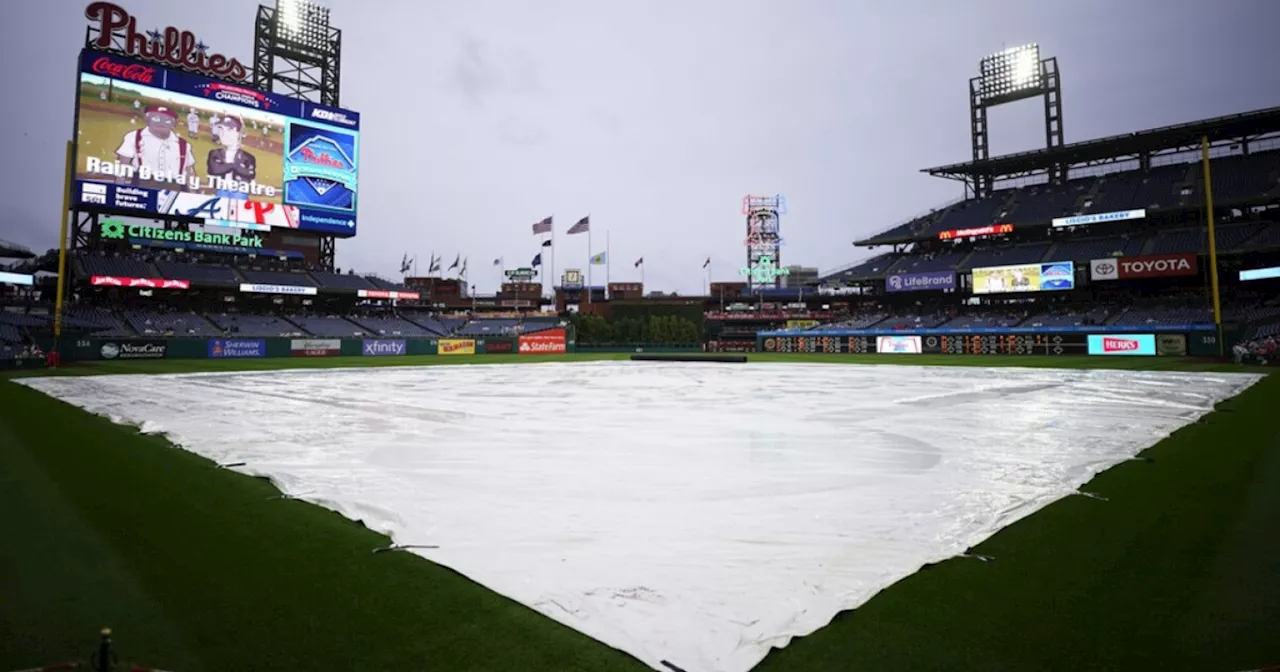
x=170, y=47
x=130, y=72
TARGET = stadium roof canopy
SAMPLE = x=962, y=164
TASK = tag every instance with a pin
x=10, y=250
x=1105, y=150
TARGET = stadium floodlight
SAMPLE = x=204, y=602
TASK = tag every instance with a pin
x=303, y=23
x=1012, y=74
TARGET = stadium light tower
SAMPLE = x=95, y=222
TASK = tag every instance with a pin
x=1009, y=76
x=297, y=53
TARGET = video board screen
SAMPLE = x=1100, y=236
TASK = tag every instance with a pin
x=1053, y=276
x=153, y=141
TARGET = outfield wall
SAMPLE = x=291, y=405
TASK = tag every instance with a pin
x=549, y=342
x=1171, y=341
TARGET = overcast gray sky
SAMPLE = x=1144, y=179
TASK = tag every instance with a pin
x=481, y=117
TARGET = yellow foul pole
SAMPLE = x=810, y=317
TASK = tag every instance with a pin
x=62, y=246
x=1213, y=245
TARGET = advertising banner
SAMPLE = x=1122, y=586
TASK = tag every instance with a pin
x=278, y=289
x=497, y=346
x=549, y=342
x=992, y=230
x=383, y=348
x=909, y=345
x=802, y=324
x=237, y=348
x=1081, y=220
x=144, y=283
x=157, y=141
x=1260, y=273
x=1135, y=268
x=457, y=346
x=1126, y=344
x=1052, y=276
x=134, y=350
x=1171, y=344
x=7, y=278
x=916, y=282
x=387, y=294
x=315, y=347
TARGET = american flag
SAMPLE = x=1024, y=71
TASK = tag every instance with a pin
x=583, y=226
x=542, y=227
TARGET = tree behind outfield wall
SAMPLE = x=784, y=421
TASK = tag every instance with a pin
x=655, y=330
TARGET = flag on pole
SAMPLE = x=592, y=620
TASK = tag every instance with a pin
x=537, y=260
x=497, y=262
x=639, y=262
x=546, y=243
x=463, y=271
x=542, y=227
x=456, y=261
x=435, y=264
x=599, y=259
x=583, y=226
x=707, y=262
x=404, y=263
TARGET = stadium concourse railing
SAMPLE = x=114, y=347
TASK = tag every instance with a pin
x=554, y=341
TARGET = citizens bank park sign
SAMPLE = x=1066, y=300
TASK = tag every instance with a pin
x=117, y=31
x=1136, y=268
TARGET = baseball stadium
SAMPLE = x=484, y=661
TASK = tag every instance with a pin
x=1030, y=429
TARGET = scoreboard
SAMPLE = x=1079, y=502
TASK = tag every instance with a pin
x=938, y=344
x=827, y=344
x=1007, y=344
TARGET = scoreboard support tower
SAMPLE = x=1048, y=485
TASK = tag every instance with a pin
x=297, y=53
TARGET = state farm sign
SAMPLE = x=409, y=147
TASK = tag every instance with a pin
x=549, y=342
x=1133, y=268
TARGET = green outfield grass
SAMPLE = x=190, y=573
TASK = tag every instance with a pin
x=197, y=569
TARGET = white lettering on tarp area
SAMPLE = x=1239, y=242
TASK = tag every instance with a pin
x=720, y=568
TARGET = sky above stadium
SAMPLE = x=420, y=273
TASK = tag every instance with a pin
x=480, y=118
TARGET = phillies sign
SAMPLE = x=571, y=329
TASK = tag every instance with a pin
x=1134, y=268
x=170, y=47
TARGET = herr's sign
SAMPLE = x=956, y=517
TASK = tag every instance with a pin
x=172, y=48
x=1137, y=268
x=116, y=230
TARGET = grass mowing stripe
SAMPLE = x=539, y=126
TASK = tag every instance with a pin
x=1131, y=582
x=259, y=584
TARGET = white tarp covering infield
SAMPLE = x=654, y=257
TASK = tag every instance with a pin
x=696, y=513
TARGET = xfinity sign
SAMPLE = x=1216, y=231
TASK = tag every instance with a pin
x=383, y=348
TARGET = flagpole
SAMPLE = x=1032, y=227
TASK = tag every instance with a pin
x=590, y=254
x=607, y=263
x=553, y=257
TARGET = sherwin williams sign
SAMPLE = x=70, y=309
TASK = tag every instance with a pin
x=383, y=348
x=916, y=282
x=237, y=348
x=1122, y=344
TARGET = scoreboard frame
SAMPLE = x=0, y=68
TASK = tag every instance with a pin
x=1044, y=344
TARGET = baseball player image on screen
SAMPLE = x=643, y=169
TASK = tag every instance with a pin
x=231, y=160
x=156, y=152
